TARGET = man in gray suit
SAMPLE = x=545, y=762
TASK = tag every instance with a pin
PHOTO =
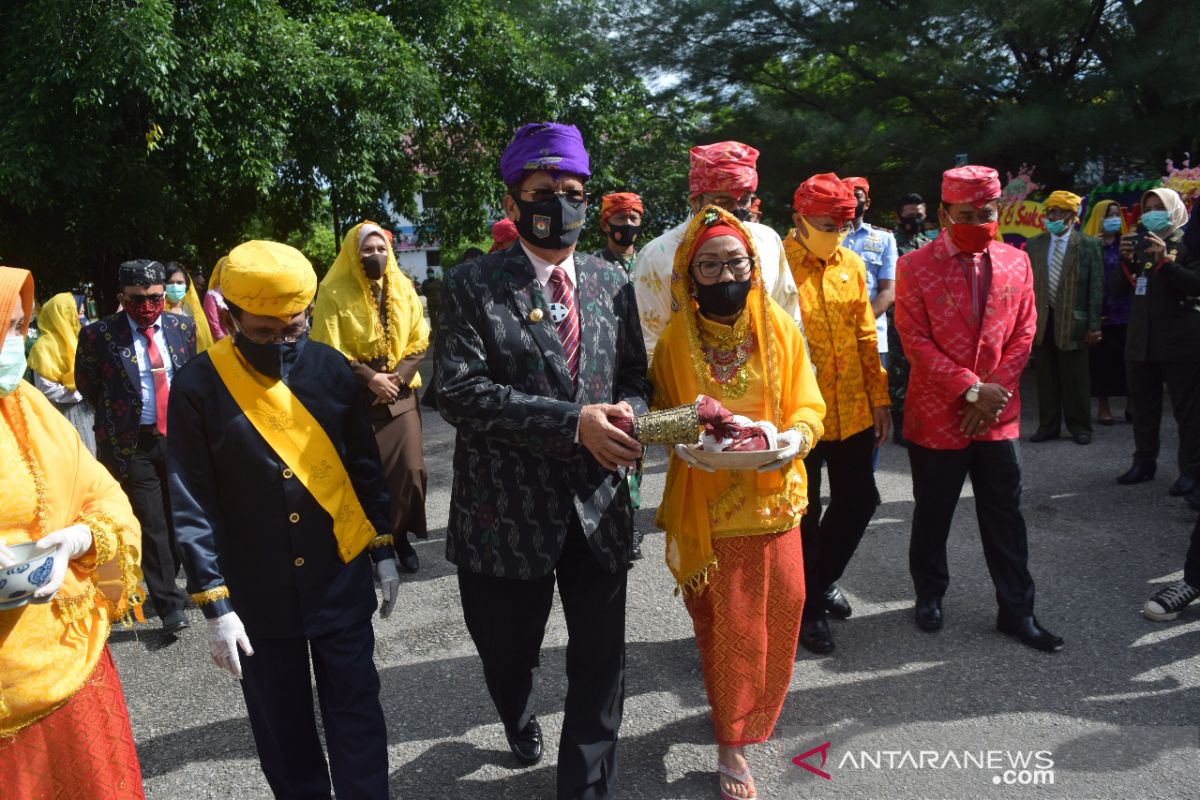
x=1068, y=281
x=540, y=348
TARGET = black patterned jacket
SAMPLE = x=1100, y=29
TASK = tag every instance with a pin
x=107, y=375
x=520, y=478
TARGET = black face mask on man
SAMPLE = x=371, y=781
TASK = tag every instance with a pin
x=552, y=224
x=624, y=235
x=272, y=360
x=743, y=214
x=860, y=208
x=912, y=225
x=374, y=265
x=722, y=299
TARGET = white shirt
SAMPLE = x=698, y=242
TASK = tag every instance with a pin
x=655, y=262
x=149, y=408
x=543, y=269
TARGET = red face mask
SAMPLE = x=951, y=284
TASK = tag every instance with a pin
x=145, y=312
x=973, y=238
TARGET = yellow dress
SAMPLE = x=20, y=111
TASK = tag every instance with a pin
x=51, y=482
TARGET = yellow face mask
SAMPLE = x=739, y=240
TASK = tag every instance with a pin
x=821, y=244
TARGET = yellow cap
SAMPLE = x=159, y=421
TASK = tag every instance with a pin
x=1064, y=200
x=269, y=279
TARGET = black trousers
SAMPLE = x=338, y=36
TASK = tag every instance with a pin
x=278, y=692
x=937, y=476
x=1191, y=566
x=507, y=620
x=830, y=538
x=146, y=486
x=1146, y=380
x=1064, y=392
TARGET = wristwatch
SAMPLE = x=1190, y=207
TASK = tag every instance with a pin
x=972, y=394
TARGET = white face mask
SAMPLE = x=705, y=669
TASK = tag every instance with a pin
x=12, y=364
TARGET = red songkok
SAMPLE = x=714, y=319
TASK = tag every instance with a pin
x=970, y=184
x=723, y=167
x=825, y=195
x=621, y=201
x=504, y=233
x=858, y=183
x=719, y=229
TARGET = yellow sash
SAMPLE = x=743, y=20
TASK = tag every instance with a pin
x=300, y=441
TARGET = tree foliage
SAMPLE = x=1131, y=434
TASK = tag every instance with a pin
x=1087, y=90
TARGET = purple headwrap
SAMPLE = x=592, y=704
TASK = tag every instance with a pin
x=544, y=146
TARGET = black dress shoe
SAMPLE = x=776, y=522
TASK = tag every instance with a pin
x=407, y=555
x=1183, y=485
x=836, y=603
x=174, y=622
x=1043, y=436
x=1138, y=473
x=928, y=614
x=1081, y=438
x=527, y=745
x=1028, y=632
x=815, y=636
x=635, y=552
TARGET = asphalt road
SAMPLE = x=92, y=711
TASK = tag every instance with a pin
x=964, y=713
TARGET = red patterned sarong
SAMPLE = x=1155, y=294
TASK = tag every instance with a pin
x=81, y=751
x=747, y=621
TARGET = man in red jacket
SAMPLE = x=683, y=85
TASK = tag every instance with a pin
x=966, y=315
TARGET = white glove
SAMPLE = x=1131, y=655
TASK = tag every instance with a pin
x=389, y=585
x=791, y=442
x=226, y=634
x=66, y=543
x=686, y=457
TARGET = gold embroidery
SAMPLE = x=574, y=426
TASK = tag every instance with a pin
x=382, y=541
x=211, y=595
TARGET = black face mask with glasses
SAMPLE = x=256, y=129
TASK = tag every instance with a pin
x=550, y=219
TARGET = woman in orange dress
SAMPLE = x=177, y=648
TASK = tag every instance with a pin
x=64, y=728
x=733, y=541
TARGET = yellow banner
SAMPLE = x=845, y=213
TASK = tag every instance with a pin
x=1021, y=221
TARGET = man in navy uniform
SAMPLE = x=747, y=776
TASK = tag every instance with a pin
x=279, y=504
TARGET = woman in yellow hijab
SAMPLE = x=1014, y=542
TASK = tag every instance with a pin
x=733, y=539
x=64, y=728
x=369, y=310
x=182, y=299
x=52, y=360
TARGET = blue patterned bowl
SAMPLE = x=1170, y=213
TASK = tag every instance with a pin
x=21, y=580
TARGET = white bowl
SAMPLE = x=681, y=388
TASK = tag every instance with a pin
x=734, y=460
x=21, y=580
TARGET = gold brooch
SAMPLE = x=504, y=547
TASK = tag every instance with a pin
x=536, y=315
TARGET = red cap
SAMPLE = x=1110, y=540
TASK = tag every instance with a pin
x=970, y=184
x=504, y=233
x=723, y=167
x=720, y=229
x=858, y=183
x=621, y=201
x=825, y=195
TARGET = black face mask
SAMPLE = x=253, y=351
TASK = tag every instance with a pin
x=860, y=208
x=742, y=214
x=912, y=225
x=272, y=360
x=373, y=265
x=552, y=224
x=722, y=299
x=624, y=235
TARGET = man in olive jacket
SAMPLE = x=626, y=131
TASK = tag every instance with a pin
x=1068, y=282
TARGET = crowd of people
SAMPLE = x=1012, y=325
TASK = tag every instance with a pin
x=261, y=430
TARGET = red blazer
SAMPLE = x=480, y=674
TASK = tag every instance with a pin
x=947, y=355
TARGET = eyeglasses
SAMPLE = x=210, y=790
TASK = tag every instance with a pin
x=575, y=196
x=138, y=299
x=738, y=267
x=289, y=335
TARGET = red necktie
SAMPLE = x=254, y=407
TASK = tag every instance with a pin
x=159, y=372
x=568, y=326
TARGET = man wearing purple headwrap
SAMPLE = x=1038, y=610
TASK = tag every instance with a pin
x=540, y=349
